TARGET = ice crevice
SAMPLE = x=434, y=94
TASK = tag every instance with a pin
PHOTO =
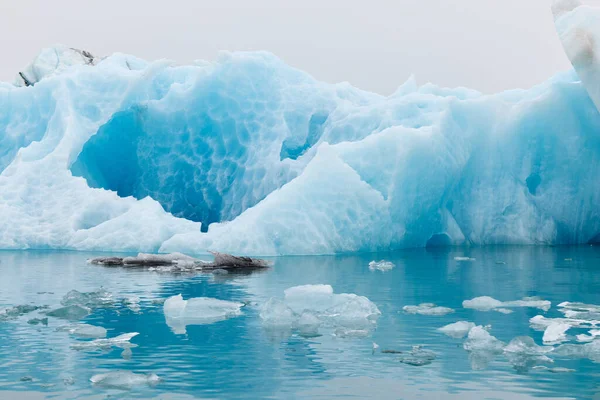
x=247, y=155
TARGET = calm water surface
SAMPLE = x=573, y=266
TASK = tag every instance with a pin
x=240, y=358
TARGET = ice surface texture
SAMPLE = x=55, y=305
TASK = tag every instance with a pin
x=137, y=156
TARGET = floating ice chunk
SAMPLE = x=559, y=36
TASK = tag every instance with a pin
x=482, y=347
x=18, y=311
x=85, y=331
x=589, y=350
x=483, y=303
x=592, y=308
x=124, y=379
x=486, y=303
x=310, y=307
x=464, y=259
x=95, y=299
x=539, y=322
x=427, y=309
x=381, y=266
x=122, y=341
x=375, y=347
x=479, y=339
x=127, y=353
x=555, y=333
x=503, y=310
x=593, y=334
x=197, y=311
x=457, y=330
x=73, y=312
x=523, y=353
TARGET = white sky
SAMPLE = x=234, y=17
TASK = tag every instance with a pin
x=488, y=45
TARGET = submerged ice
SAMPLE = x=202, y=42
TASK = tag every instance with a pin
x=248, y=155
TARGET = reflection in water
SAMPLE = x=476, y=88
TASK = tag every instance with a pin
x=241, y=356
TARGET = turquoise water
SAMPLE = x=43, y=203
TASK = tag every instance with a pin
x=241, y=358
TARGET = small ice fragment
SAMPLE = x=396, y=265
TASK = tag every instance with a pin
x=133, y=303
x=555, y=333
x=540, y=323
x=18, y=311
x=482, y=347
x=503, y=310
x=88, y=299
x=523, y=353
x=87, y=331
x=479, y=339
x=118, y=341
x=72, y=312
x=351, y=333
x=457, y=330
x=197, y=311
x=464, y=259
x=486, y=303
x=26, y=378
x=124, y=379
x=427, y=309
x=482, y=303
x=381, y=266
x=501, y=262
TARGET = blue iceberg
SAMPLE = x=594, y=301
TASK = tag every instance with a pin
x=249, y=155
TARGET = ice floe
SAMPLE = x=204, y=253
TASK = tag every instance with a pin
x=555, y=333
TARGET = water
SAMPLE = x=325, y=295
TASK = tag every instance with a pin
x=239, y=358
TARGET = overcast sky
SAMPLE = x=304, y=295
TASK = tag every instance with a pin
x=488, y=45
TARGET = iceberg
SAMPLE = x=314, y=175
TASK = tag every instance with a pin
x=247, y=155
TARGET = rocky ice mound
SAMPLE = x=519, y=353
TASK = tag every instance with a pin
x=122, y=154
x=197, y=311
x=311, y=308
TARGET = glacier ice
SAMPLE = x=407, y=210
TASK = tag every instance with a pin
x=248, y=155
x=197, y=311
